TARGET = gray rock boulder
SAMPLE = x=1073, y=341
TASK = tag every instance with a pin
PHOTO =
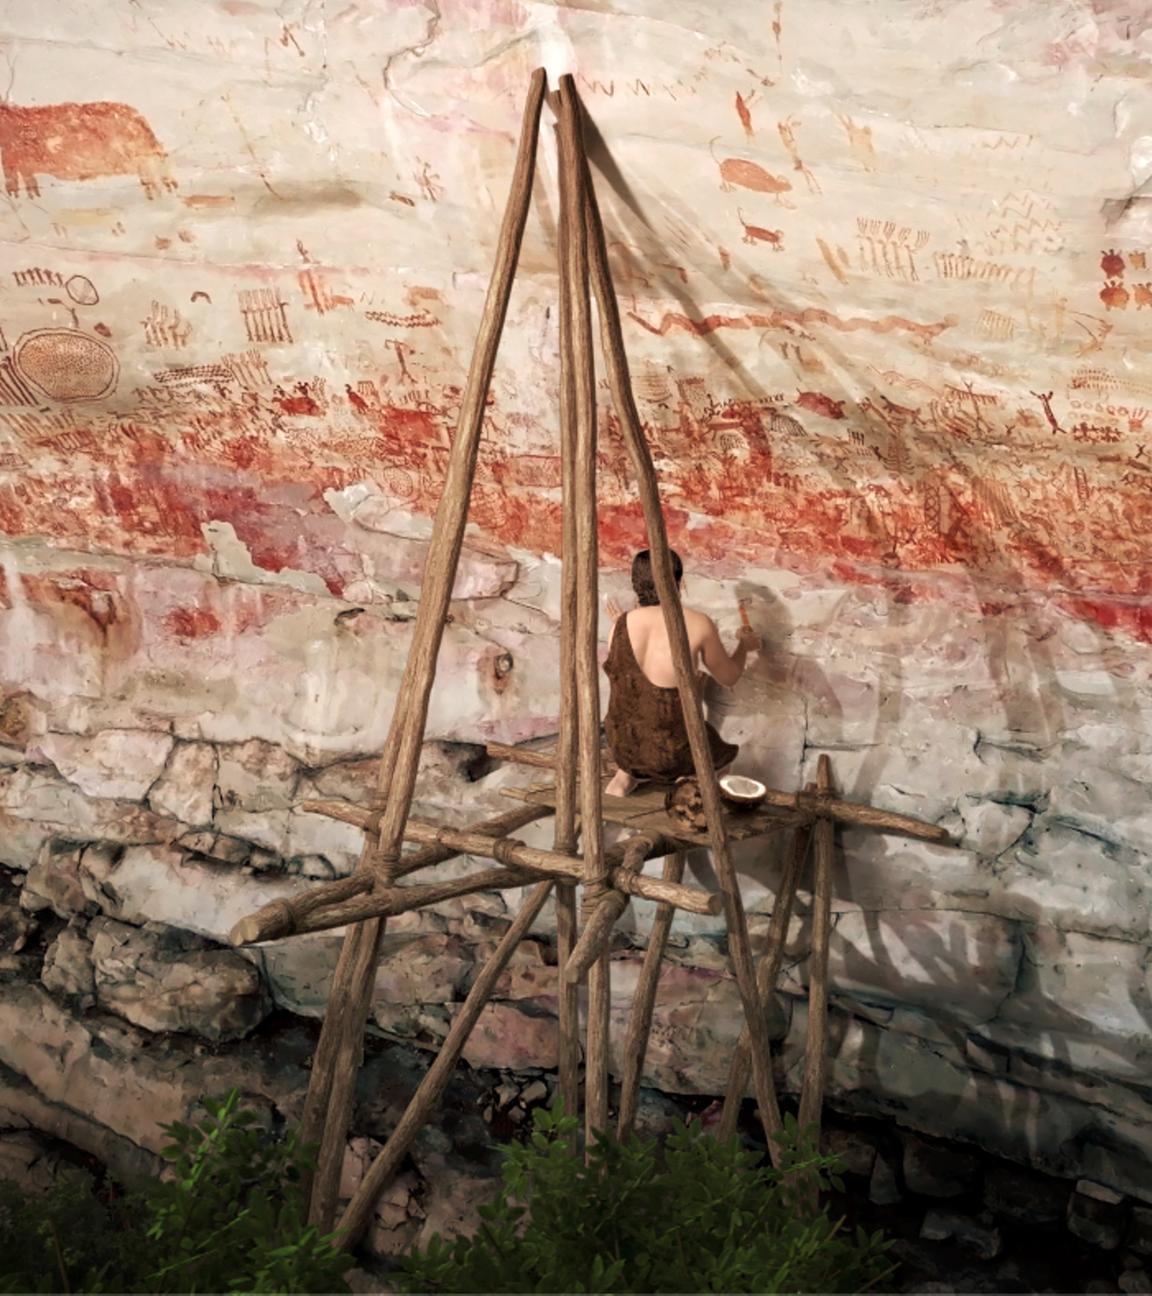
x=68, y=967
x=167, y=980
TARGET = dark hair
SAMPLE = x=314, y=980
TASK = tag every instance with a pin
x=642, y=581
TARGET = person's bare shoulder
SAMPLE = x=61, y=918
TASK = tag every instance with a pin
x=692, y=616
x=699, y=626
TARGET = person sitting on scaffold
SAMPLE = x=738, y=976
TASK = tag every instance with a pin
x=645, y=727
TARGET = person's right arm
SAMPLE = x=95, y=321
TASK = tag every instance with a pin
x=724, y=668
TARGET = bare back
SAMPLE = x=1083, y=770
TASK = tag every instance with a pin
x=649, y=638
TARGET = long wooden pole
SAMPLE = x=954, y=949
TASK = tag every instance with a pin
x=352, y=985
x=515, y=854
x=452, y=512
x=398, y=769
x=767, y=974
x=644, y=1003
x=548, y=760
x=816, y=1045
x=428, y=1092
x=320, y=907
x=566, y=756
x=849, y=813
x=579, y=360
x=616, y=361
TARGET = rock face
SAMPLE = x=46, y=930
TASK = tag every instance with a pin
x=168, y=980
x=887, y=359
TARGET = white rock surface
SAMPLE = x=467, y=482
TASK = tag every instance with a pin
x=113, y=763
x=185, y=788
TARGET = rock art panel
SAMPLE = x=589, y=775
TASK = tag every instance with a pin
x=65, y=364
x=888, y=355
x=79, y=141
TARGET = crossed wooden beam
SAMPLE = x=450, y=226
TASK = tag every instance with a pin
x=364, y=901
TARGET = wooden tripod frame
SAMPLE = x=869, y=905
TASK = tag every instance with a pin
x=370, y=895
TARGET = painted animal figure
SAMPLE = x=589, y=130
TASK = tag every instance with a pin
x=79, y=141
x=750, y=175
x=1114, y=295
x=818, y=403
x=758, y=234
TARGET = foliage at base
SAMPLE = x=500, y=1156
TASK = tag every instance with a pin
x=697, y=1216
x=232, y=1218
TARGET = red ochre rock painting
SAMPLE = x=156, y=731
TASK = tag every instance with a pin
x=1114, y=295
x=788, y=496
x=79, y=141
x=66, y=365
x=82, y=290
x=192, y=623
x=750, y=175
x=818, y=403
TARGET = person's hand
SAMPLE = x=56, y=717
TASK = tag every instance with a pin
x=614, y=610
x=748, y=639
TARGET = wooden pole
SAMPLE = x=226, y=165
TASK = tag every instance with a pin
x=816, y=1047
x=398, y=769
x=578, y=360
x=595, y=940
x=767, y=974
x=515, y=854
x=548, y=760
x=388, y=902
x=644, y=1003
x=617, y=365
x=452, y=512
x=849, y=813
x=351, y=993
x=317, y=909
x=428, y=1092
x=566, y=757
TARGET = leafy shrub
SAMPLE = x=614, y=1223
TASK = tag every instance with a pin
x=706, y=1216
x=231, y=1219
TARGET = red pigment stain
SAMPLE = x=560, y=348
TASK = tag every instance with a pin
x=1112, y=614
x=192, y=623
x=742, y=485
x=92, y=593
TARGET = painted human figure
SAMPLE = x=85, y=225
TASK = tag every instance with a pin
x=644, y=725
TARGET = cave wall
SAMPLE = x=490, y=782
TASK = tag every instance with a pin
x=883, y=276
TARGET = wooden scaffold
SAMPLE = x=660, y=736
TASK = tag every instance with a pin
x=365, y=900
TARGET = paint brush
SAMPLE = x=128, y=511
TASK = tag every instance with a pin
x=743, y=606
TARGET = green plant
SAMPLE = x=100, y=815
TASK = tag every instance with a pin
x=232, y=1218
x=701, y=1216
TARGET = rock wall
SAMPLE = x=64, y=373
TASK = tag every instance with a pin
x=883, y=272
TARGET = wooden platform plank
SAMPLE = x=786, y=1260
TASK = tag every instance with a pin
x=644, y=811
